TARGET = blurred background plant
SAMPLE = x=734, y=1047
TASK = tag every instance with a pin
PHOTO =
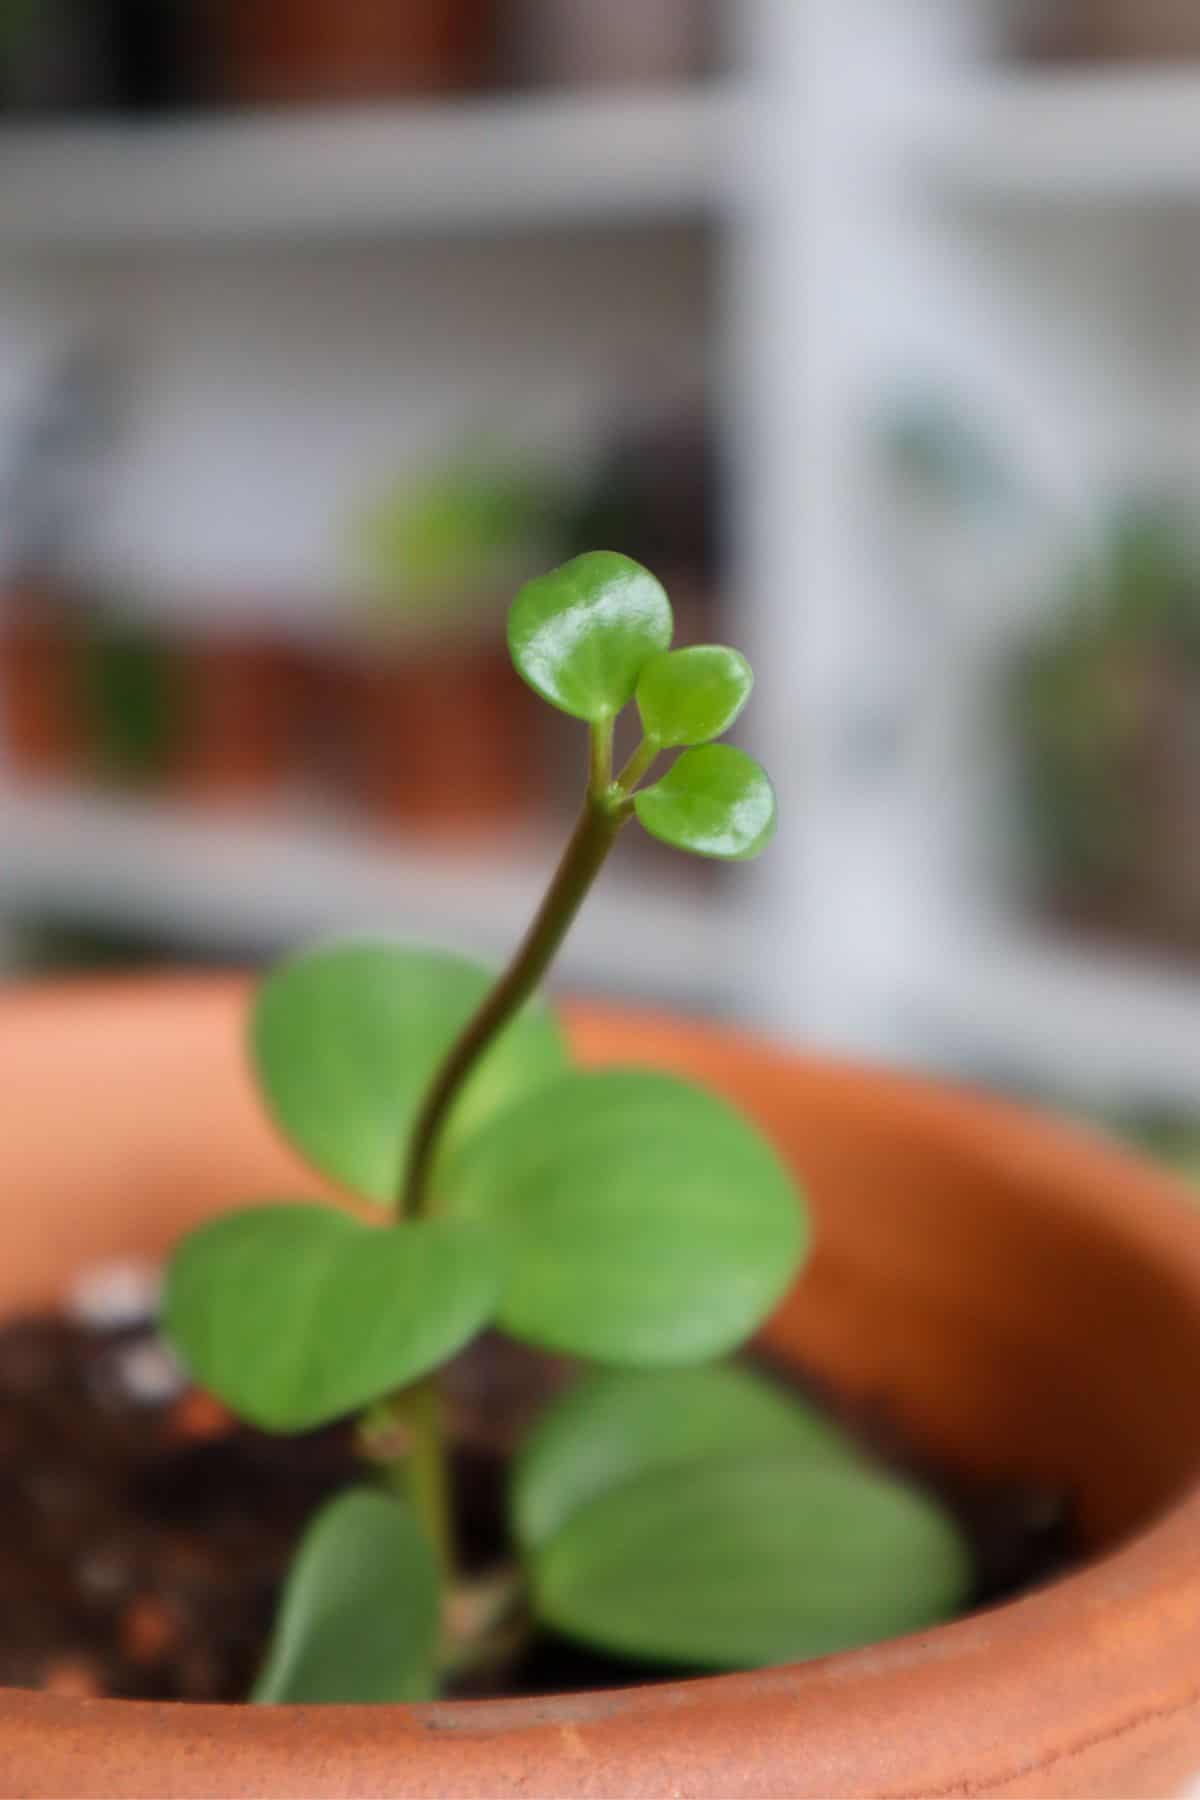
x=1174, y=1139
x=1107, y=714
x=441, y=552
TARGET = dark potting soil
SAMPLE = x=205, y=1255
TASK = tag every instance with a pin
x=144, y=1534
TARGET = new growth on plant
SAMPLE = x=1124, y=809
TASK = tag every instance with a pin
x=671, y=1506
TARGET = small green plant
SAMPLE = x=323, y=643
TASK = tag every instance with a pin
x=433, y=552
x=1172, y=1136
x=672, y=1506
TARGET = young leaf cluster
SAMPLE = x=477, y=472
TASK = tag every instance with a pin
x=594, y=635
x=670, y=1507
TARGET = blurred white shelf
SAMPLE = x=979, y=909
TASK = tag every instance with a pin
x=263, y=882
x=471, y=165
x=1114, y=1026
x=1108, y=137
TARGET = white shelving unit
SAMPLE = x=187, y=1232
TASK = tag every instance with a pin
x=471, y=166
x=1021, y=243
x=236, y=884
x=871, y=201
x=1118, y=1029
x=1106, y=138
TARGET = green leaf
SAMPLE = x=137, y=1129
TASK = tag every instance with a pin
x=689, y=696
x=715, y=801
x=581, y=635
x=295, y=1315
x=346, y=1039
x=739, y=1562
x=649, y=1222
x=617, y=1424
x=359, y=1617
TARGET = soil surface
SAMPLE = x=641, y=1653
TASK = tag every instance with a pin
x=144, y=1533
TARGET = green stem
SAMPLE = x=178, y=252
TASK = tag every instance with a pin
x=646, y=753
x=403, y=1434
x=416, y=1458
x=600, y=774
x=426, y=1470
x=591, y=841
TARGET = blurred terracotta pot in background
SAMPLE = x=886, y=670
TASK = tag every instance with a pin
x=579, y=43
x=299, y=51
x=238, y=697
x=1109, y=30
x=40, y=708
x=440, y=737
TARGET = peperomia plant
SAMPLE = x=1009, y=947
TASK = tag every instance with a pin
x=670, y=1506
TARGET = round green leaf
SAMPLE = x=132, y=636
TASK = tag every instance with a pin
x=689, y=696
x=360, y=1612
x=621, y=1423
x=581, y=634
x=714, y=801
x=648, y=1221
x=295, y=1315
x=347, y=1037
x=740, y=1562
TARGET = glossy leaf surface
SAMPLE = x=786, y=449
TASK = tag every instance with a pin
x=618, y=1424
x=714, y=801
x=689, y=696
x=346, y=1039
x=294, y=1315
x=581, y=635
x=649, y=1222
x=358, y=1621
x=745, y=1561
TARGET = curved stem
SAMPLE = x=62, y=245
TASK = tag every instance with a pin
x=591, y=841
x=416, y=1457
x=403, y=1433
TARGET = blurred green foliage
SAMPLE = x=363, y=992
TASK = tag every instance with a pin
x=448, y=542
x=130, y=698
x=1106, y=706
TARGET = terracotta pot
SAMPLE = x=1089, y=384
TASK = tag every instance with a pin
x=575, y=43
x=239, y=703
x=40, y=711
x=1111, y=30
x=299, y=51
x=440, y=739
x=1024, y=1296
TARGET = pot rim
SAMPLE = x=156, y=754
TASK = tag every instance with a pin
x=1129, y=1596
